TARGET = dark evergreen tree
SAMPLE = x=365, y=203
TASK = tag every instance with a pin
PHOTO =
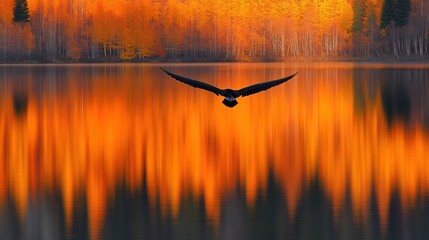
x=388, y=13
x=359, y=15
x=402, y=13
x=21, y=12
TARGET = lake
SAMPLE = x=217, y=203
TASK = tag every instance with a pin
x=123, y=151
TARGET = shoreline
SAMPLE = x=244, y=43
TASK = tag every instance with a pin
x=380, y=60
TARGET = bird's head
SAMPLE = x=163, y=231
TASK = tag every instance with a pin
x=229, y=92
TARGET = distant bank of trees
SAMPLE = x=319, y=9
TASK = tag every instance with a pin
x=242, y=30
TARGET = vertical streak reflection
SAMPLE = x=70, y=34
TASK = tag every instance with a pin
x=92, y=131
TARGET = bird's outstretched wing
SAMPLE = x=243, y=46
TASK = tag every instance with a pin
x=261, y=87
x=195, y=83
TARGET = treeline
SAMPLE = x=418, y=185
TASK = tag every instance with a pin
x=244, y=30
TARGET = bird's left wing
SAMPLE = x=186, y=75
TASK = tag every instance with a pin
x=261, y=86
x=195, y=83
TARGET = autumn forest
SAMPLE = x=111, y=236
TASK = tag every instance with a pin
x=212, y=30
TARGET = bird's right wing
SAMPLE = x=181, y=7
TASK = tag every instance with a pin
x=195, y=83
x=261, y=86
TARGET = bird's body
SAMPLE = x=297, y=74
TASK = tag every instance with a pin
x=229, y=99
x=230, y=94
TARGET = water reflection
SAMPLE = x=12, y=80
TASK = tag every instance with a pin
x=123, y=151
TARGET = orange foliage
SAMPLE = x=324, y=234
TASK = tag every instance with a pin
x=228, y=29
x=192, y=29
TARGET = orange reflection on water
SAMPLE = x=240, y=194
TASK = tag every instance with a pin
x=87, y=140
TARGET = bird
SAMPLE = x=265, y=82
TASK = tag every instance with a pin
x=230, y=95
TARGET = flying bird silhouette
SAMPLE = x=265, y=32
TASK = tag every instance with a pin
x=230, y=94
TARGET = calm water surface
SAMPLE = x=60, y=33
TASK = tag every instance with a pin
x=125, y=152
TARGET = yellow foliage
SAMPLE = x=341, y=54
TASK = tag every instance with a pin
x=244, y=29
